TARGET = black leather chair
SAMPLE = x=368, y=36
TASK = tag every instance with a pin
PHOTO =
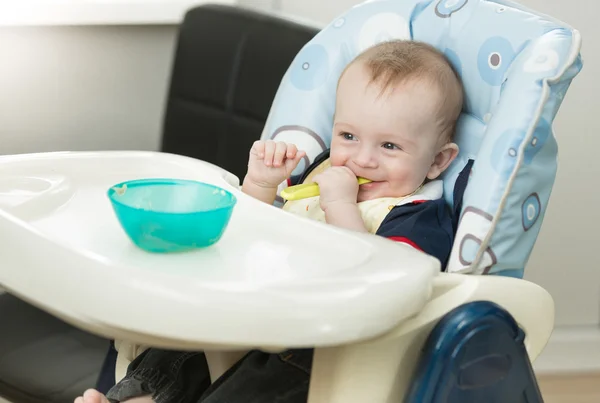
x=228, y=65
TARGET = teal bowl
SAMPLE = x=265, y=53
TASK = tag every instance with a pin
x=171, y=215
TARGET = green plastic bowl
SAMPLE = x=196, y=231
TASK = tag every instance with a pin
x=171, y=215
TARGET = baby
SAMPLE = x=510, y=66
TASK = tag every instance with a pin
x=396, y=110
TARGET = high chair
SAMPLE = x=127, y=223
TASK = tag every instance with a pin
x=383, y=329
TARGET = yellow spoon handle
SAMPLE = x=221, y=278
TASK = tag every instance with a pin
x=306, y=190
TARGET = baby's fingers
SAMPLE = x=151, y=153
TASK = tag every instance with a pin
x=280, y=153
x=258, y=149
x=269, y=152
x=292, y=162
x=291, y=151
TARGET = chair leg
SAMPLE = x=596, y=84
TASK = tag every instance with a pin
x=219, y=362
x=378, y=371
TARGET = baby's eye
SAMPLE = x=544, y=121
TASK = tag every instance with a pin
x=347, y=136
x=390, y=146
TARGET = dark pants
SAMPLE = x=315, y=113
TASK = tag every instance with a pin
x=106, y=379
x=183, y=377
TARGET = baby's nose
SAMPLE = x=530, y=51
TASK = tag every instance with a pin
x=366, y=159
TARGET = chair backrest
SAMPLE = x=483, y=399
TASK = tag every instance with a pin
x=516, y=66
x=227, y=66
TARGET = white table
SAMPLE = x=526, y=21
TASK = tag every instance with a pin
x=274, y=280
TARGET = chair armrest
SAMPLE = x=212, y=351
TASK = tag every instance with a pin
x=530, y=305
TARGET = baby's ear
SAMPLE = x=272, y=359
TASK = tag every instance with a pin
x=442, y=160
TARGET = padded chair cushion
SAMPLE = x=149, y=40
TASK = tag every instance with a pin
x=516, y=67
x=228, y=65
x=42, y=359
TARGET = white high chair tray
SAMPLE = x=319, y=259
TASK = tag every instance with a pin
x=274, y=279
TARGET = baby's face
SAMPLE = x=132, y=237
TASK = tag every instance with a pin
x=391, y=138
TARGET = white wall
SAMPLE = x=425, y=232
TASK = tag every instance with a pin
x=318, y=10
x=83, y=88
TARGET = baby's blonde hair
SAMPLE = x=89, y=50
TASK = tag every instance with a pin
x=398, y=61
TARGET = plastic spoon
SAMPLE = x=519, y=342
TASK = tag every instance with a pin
x=306, y=190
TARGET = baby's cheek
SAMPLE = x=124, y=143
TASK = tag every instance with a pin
x=419, y=168
x=404, y=178
x=336, y=159
x=399, y=172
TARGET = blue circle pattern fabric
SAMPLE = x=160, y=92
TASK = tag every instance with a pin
x=516, y=67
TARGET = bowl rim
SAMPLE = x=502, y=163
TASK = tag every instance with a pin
x=171, y=181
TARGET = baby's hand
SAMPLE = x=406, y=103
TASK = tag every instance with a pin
x=338, y=185
x=271, y=162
